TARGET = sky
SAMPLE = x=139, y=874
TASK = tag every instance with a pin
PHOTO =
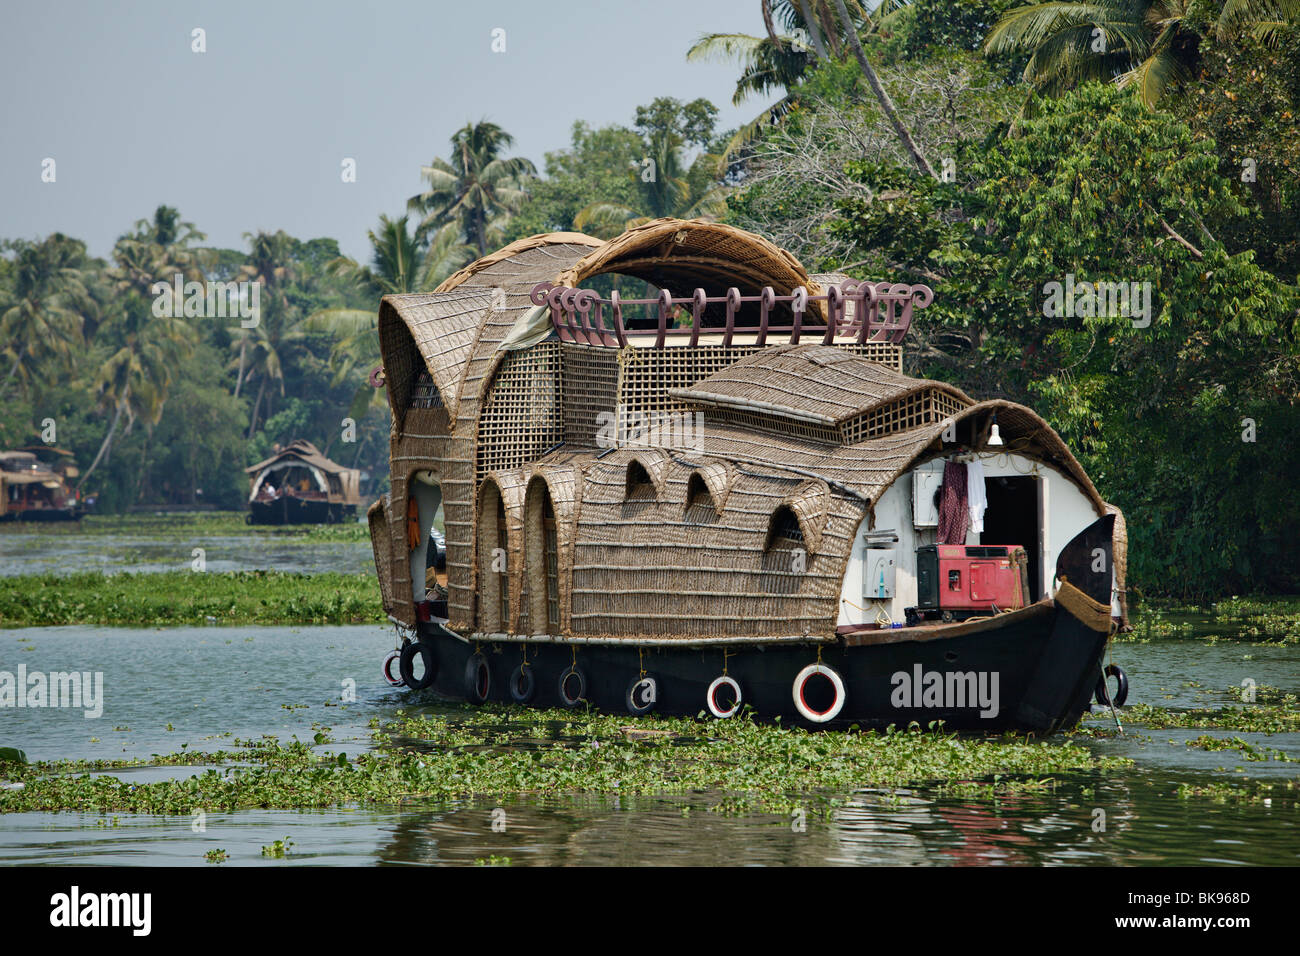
x=252, y=133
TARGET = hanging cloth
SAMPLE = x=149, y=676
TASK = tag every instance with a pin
x=976, y=500
x=412, y=523
x=954, y=516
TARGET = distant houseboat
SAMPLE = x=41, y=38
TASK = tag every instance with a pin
x=299, y=485
x=34, y=485
x=727, y=494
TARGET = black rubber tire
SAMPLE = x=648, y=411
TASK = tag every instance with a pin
x=571, y=675
x=1102, y=692
x=636, y=705
x=478, y=679
x=523, y=684
x=405, y=668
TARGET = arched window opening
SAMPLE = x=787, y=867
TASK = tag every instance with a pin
x=700, y=506
x=639, y=486
x=427, y=542
x=784, y=530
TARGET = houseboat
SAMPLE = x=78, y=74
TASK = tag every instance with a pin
x=724, y=495
x=34, y=485
x=299, y=485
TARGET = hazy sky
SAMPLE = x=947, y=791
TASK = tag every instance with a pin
x=251, y=134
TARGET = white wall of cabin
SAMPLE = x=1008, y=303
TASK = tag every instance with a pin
x=1068, y=512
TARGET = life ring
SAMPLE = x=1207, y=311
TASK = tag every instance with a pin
x=1102, y=692
x=711, y=698
x=800, y=681
x=642, y=695
x=406, y=662
x=393, y=656
x=523, y=685
x=478, y=679
x=572, y=676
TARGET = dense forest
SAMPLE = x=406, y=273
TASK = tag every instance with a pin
x=986, y=148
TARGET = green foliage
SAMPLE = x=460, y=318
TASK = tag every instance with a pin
x=1097, y=187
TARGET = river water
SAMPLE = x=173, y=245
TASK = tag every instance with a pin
x=202, y=687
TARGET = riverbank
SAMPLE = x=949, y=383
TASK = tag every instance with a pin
x=173, y=598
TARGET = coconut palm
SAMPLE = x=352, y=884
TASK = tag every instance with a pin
x=43, y=317
x=1152, y=46
x=477, y=187
x=135, y=378
x=816, y=30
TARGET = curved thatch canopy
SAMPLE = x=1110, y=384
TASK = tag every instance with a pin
x=682, y=254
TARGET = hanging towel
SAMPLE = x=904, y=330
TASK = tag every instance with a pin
x=976, y=499
x=954, y=516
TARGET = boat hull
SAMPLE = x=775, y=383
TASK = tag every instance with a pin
x=290, y=510
x=1038, y=655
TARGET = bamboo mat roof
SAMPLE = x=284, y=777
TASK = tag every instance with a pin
x=816, y=383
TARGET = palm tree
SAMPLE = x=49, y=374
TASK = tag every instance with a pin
x=1150, y=45
x=135, y=378
x=269, y=263
x=777, y=61
x=398, y=264
x=478, y=187
x=44, y=316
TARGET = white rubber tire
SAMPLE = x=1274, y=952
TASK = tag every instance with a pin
x=714, y=709
x=802, y=706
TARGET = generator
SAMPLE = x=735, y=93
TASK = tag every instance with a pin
x=958, y=581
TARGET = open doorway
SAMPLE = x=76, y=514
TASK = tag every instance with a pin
x=1012, y=518
x=427, y=541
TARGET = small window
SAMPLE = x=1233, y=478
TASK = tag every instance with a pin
x=639, y=485
x=784, y=530
x=700, y=507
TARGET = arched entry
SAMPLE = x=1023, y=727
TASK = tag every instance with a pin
x=426, y=540
x=542, y=558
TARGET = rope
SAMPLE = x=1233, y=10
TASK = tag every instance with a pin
x=1091, y=614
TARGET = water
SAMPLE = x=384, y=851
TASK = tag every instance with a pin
x=216, y=684
x=44, y=552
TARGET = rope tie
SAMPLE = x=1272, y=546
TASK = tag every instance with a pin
x=1091, y=614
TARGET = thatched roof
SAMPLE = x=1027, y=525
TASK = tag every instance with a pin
x=811, y=383
x=303, y=451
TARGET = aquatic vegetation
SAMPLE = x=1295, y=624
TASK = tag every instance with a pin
x=1264, y=718
x=279, y=849
x=185, y=597
x=1266, y=792
x=216, y=856
x=1263, y=620
x=501, y=751
x=1248, y=750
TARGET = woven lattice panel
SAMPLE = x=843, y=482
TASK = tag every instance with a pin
x=590, y=389
x=919, y=408
x=522, y=416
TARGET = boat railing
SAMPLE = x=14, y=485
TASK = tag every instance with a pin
x=881, y=312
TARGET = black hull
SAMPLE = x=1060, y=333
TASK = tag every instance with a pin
x=43, y=514
x=290, y=510
x=1015, y=651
